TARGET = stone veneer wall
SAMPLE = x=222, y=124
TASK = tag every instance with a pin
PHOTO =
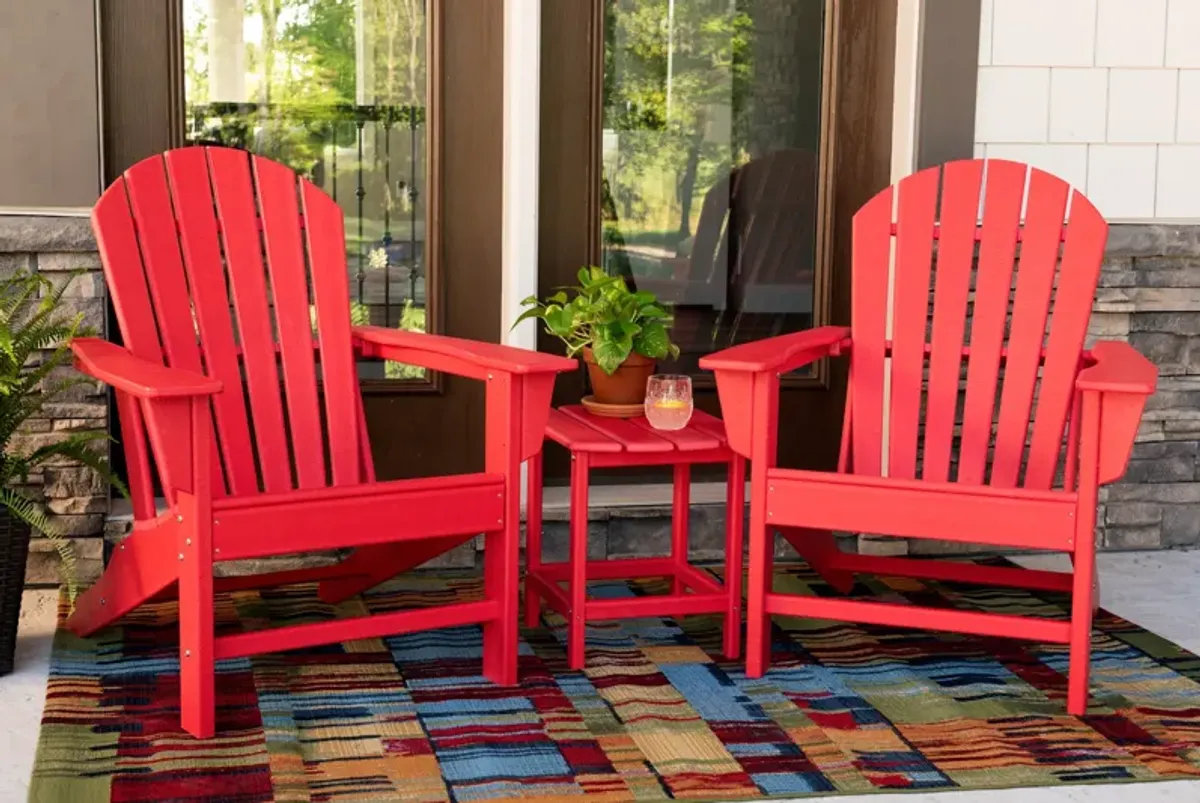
x=75, y=498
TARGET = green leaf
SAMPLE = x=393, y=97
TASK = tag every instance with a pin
x=536, y=312
x=653, y=341
x=609, y=354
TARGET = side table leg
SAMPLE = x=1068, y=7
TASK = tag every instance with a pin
x=576, y=618
x=533, y=538
x=680, y=509
x=735, y=512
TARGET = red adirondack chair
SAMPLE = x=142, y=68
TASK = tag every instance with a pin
x=211, y=257
x=1024, y=356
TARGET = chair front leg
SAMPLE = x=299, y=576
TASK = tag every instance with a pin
x=1084, y=558
x=197, y=683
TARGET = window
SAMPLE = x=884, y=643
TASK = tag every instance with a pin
x=335, y=89
x=712, y=157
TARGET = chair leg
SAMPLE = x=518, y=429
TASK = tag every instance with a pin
x=735, y=511
x=820, y=549
x=680, y=509
x=759, y=576
x=533, y=538
x=197, y=685
x=1084, y=558
x=577, y=616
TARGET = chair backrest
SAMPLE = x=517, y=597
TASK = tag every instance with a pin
x=213, y=257
x=1011, y=327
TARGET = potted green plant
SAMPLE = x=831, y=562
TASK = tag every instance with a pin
x=35, y=336
x=620, y=334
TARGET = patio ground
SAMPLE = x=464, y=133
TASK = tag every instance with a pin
x=1158, y=590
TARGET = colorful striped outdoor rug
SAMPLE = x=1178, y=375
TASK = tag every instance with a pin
x=657, y=715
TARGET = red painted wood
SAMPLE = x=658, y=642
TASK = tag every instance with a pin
x=887, y=614
x=692, y=438
x=1117, y=367
x=342, y=520
x=735, y=506
x=133, y=437
x=1045, y=211
x=298, y=637
x=187, y=171
x=607, y=460
x=578, y=437
x=1125, y=379
x=1083, y=254
x=958, y=572
x=1001, y=219
x=917, y=509
x=709, y=425
x=368, y=566
x=289, y=290
x=197, y=673
x=150, y=202
x=578, y=560
x=491, y=356
x=502, y=539
x=281, y=578
x=339, y=373
x=1084, y=557
x=143, y=379
x=620, y=569
x=939, y=229
x=698, y=582
x=664, y=605
x=552, y=593
x=633, y=439
x=871, y=256
x=916, y=211
x=956, y=246
x=780, y=354
x=533, y=537
x=764, y=417
x=238, y=214
x=820, y=550
x=680, y=513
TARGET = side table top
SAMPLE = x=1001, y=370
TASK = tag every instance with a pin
x=576, y=429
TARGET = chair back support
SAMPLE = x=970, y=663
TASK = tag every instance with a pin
x=975, y=331
x=230, y=265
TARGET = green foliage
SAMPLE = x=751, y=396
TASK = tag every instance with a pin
x=412, y=319
x=607, y=317
x=35, y=337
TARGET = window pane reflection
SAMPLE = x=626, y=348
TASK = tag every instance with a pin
x=335, y=89
x=712, y=120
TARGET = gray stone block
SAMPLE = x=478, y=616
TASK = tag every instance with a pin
x=37, y=233
x=1181, y=525
x=1130, y=514
x=556, y=544
x=1179, y=323
x=12, y=263
x=1170, y=352
x=1134, y=537
x=1176, y=493
x=1162, y=462
x=51, y=262
x=1153, y=240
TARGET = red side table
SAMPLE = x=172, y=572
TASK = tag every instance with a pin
x=596, y=442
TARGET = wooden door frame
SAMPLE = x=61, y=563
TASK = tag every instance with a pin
x=856, y=125
x=143, y=113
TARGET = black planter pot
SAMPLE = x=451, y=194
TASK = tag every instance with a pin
x=14, y=550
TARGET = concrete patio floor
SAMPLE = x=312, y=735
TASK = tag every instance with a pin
x=1158, y=590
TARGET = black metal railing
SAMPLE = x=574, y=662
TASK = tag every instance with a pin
x=387, y=178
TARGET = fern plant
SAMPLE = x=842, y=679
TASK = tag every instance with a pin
x=32, y=326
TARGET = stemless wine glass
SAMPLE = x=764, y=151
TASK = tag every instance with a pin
x=669, y=401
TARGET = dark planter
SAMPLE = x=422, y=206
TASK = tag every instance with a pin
x=626, y=385
x=14, y=550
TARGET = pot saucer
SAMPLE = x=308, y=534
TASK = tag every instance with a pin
x=612, y=410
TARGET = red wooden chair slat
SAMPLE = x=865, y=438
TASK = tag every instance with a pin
x=1045, y=212
x=331, y=288
x=238, y=214
x=633, y=438
x=1001, y=220
x=1047, y=376
x=289, y=288
x=150, y=201
x=685, y=440
x=872, y=243
x=572, y=433
x=916, y=212
x=1083, y=255
x=174, y=269
x=187, y=170
x=961, y=183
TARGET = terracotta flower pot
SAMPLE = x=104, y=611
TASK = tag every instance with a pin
x=626, y=385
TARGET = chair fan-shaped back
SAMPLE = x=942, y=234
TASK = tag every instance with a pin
x=216, y=260
x=967, y=336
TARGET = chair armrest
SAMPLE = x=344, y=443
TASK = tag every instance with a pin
x=1118, y=368
x=419, y=348
x=1124, y=379
x=780, y=354
x=117, y=366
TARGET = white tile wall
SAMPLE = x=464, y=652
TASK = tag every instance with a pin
x=1105, y=93
x=1183, y=33
x=1129, y=33
x=1141, y=105
x=1178, y=192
